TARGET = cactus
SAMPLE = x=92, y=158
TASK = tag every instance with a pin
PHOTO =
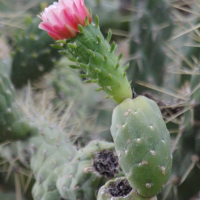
x=97, y=59
x=148, y=31
x=33, y=57
x=119, y=189
x=65, y=82
x=12, y=123
x=142, y=143
x=88, y=170
x=48, y=150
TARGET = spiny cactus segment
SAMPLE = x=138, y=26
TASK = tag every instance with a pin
x=13, y=125
x=88, y=170
x=142, y=143
x=93, y=54
x=33, y=56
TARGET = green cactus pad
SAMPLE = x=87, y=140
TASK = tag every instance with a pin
x=88, y=171
x=12, y=123
x=94, y=55
x=142, y=143
x=46, y=152
x=119, y=189
x=33, y=57
x=147, y=41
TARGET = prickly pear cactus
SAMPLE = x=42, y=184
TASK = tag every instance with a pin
x=150, y=27
x=119, y=189
x=46, y=151
x=89, y=169
x=97, y=59
x=33, y=56
x=142, y=143
x=12, y=123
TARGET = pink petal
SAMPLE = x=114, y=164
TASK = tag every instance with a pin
x=78, y=10
x=46, y=26
x=54, y=36
x=61, y=19
x=72, y=32
x=54, y=17
x=61, y=31
x=67, y=15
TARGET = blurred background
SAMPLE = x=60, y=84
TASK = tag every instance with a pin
x=161, y=41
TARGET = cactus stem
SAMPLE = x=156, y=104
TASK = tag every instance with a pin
x=91, y=53
x=109, y=35
x=124, y=75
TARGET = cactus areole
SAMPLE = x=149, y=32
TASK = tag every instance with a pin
x=69, y=23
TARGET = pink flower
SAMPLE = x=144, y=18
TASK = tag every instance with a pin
x=61, y=19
